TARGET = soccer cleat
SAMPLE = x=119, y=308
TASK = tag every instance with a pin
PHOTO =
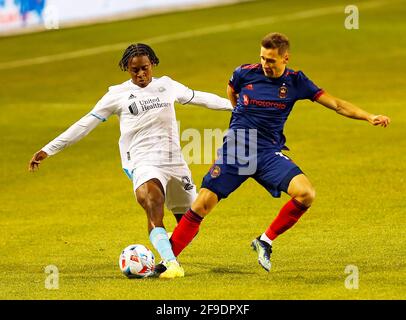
x=173, y=270
x=264, y=250
x=159, y=268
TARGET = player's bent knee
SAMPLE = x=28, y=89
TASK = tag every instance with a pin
x=307, y=196
x=312, y=195
x=205, y=202
x=200, y=208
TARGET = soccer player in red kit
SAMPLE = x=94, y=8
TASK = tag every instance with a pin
x=263, y=95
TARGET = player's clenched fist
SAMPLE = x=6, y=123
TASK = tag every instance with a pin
x=380, y=120
x=36, y=160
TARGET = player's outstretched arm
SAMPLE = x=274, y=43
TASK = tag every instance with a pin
x=350, y=110
x=76, y=132
x=210, y=101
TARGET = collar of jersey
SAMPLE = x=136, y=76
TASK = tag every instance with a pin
x=281, y=78
x=138, y=87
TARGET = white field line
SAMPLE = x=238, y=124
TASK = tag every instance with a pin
x=250, y=23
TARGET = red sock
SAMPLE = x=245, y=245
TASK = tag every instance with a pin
x=287, y=217
x=185, y=231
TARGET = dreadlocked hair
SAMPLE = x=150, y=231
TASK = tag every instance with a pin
x=136, y=50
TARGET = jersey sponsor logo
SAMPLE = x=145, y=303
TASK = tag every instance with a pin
x=153, y=103
x=249, y=87
x=283, y=92
x=265, y=103
x=215, y=171
x=146, y=105
x=262, y=103
x=133, y=108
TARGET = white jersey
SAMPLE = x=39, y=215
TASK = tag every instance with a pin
x=149, y=130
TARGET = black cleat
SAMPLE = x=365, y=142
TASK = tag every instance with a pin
x=160, y=268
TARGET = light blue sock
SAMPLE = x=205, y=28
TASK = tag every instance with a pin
x=160, y=241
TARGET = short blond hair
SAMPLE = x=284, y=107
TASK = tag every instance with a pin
x=276, y=40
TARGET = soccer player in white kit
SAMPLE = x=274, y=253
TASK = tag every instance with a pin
x=149, y=143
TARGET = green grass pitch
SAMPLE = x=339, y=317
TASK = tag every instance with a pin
x=78, y=211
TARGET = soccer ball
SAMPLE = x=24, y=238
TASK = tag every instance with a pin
x=137, y=261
